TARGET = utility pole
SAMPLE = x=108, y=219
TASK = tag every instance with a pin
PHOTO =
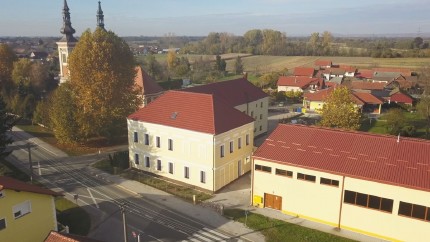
x=124, y=221
x=31, y=163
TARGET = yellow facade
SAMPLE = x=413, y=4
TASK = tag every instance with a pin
x=32, y=226
x=325, y=203
x=195, y=157
x=259, y=111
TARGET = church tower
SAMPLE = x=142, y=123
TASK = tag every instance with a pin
x=100, y=16
x=65, y=44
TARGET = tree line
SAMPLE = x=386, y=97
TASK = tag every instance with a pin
x=273, y=42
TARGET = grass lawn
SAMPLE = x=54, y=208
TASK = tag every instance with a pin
x=69, y=213
x=181, y=191
x=276, y=230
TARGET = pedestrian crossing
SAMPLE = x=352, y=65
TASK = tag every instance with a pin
x=208, y=235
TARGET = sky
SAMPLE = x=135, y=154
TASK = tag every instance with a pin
x=200, y=17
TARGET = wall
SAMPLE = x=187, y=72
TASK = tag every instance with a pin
x=34, y=226
x=288, y=88
x=255, y=109
x=321, y=203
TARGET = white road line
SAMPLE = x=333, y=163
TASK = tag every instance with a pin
x=154, y=238
x=201, y=237
x=92, y=197
x=217, y=233
x=191, y=239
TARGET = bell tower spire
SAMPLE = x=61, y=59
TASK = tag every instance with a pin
x=65, y=44
x=100, y=17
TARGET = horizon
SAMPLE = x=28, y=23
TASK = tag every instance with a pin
x=296, y=18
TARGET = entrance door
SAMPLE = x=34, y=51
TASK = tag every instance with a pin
x=272, y=201
x=239, y=168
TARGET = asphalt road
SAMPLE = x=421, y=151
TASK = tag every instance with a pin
x=103, y=199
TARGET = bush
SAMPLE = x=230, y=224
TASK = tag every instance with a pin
x=408, y=131
x=119, y=159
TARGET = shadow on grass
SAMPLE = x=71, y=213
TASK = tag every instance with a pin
x=78, y=220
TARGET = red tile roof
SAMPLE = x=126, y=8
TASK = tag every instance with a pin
x=323, y=63
x=144, y=81
x=304, y=71
x=348, y=68
x=297, y=81
x=368, y=85
x=368, y=98
x=234, y=92
x=361, y=155
x=400, y=97
x=199, y=112
x=321, y=95
x=61, y=237
x=404, y=71
x=365, y=73
x=16, y=185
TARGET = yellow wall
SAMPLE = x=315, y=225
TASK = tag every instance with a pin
x=315, y=105
x=321, y=203
x=34, y=226
x=198, y=151
x=255, y=109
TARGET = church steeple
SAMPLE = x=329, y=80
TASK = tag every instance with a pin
x=67, y=28
x=100, y=16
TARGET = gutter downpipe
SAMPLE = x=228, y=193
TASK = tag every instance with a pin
x=341, y=199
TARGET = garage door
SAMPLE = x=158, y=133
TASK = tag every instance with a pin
x=272, y=201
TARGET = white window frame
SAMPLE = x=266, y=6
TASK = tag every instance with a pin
x=222, y=151
x=158, y=142
x=231, y=146
x=203, y=177
x=146, y=139
x=23, y=209
x=159, y=165
x=186, y=172
x=171, y=168
x=136, y=137
x=247, y=139
x=147, y=162
x=136, y=159
x=239, y=143
x=170, y=144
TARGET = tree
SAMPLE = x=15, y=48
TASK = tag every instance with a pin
x=220, y=64
x=153, y=68
x=396, y=120
x=340, y=111
x=102, y=72
x=64, y=114
x=423, y=108
x=238, y=66
x=7, y=57
x=171, y=59
x=7, y=121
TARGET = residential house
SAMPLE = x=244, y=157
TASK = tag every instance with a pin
x=372, y=104
x=402, y=71
x=385, y=77
x=195, y=138
x=366, y=74
x=333, y=72
x=63, y=237
x=334, y=81
x=397, y=96
x=38, y=55
x=149, y=88
x=349, y=70
x=304, y=71
x=315, y=101
x=299, y=83
x=242, y=95
x=323, y=64
x=372, y=184
x=27, y=212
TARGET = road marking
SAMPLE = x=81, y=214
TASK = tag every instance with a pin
x=201, y=237
x=92, y=197
x=215, y=232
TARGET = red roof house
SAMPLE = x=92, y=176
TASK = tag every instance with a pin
x=363, y=85
x=400, y=97
x=150, y=88
x=16, y=185
x=304, y=71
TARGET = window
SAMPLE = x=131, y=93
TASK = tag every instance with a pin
x=170, y=144
x=261, y=104
x=222, y=151
x=369, y=201
x=187, y=172
x=329, y=182
x=21, y=209
x=263, y=168
x=281, y=172
x=301, y=176
x=231, y=146
x=136, y=159
x=135, y=137
x=252, y=114
x=157, y=142
x=414, y=211
x=158, y=165
x=170, y=167
x=146, y=139
x=247, y=139
x=261, y=127
x=202, y=177
x=261, y=116
x=2, y=223
x=239, y=143
x=147, y=164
